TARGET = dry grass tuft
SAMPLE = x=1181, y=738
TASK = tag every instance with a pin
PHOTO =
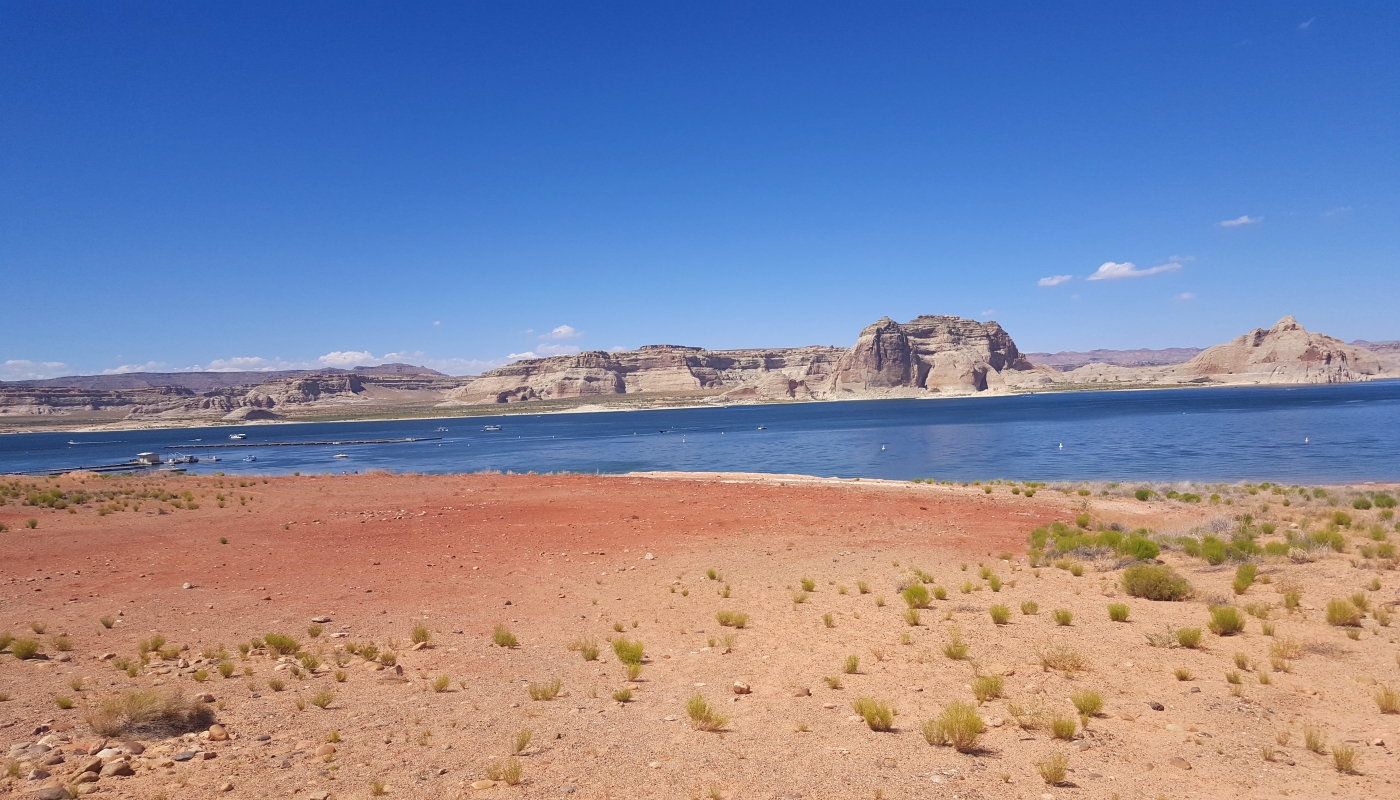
x=1344, y=759
x=1054, y=769
x=956, y=648
x=987, y=687
x=877, y=715
x=704, y=716
x=1388, y=700
x=507, y=771
x=545, y=691
x=958, y=726
x=732, y=619
x=503, y=637
x=150, y=713
x=1060, y=657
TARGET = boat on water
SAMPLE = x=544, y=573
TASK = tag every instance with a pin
x=440, y=430
x=238, y=436
x=492, y=428
x=340, y=455
x=181, y=459
x=250, y=458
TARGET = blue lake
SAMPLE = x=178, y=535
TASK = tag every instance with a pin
x=1313, y=434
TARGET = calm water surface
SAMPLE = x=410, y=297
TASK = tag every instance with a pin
x=1312, y=434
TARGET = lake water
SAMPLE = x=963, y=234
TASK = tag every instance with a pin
x=1313, y=434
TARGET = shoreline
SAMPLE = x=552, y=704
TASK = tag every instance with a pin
x=657, y=404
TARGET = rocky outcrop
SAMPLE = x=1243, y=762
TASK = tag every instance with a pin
x=930, y=354
x=1287, y=353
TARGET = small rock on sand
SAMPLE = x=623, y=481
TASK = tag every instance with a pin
x=1180, y=763
x=320, y=620
x=741, y=688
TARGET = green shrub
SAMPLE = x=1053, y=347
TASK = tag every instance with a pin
x=545, y=691
x=1063, y=616
x=958, y=726
x=852, y=665
x=1140, y=548
x=323, y=698
x=1155, y=582
x=1030, y=607
x=1189, y=638
x=1244, y=577
x=503, y=637
x=420, y=634
x=916, y=596
x=279, y=644
x=1144, y=494
x=939, y=593
x=703, y=716
x=1384, y=501
x=628, y=651
x=1000, y=614
x=877, y=715
x=809, y=585
x=1343, y=614
x=987, y=687
x=1118, y=612
x=1361, y=504
x=1213, y=551
x=1225, y=621
x=1088, y=701
x=1063, y=727
x=731, y=619
x=24, y=649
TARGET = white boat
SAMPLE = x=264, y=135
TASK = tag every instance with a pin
x=492, y=428
x=250, y=458
x=340, y=455
x=238, y=436
x=440, y=430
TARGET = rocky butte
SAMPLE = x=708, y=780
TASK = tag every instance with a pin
x=928, y=356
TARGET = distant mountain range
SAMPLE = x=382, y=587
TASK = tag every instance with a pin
x=929, y=356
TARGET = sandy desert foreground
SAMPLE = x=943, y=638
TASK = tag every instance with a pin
x=130, y=590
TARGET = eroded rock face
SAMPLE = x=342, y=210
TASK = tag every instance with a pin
x=1285, y=353
x=930, y=353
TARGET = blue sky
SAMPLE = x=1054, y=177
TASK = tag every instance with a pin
x=222, y=185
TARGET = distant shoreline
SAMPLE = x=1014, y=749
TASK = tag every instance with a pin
x=620, y=405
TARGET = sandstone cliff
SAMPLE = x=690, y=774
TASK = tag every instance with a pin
x=1284, y=354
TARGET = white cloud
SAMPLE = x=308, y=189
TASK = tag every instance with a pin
x=562, y=332
x=1240, y=220
x=1305, y=25
x=346, y=359
x=1185, y=296
x=987, y=313
x=253, y=364
x=1055, y=280
x=1181, y=259
x=23, y=370
x=519, y=356
x=464, y=366
x=557, y=349
x=1109, y=271
x=437, y=323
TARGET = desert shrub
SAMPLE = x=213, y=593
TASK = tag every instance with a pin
x=1063, y=727
x=1344, y=759
x=440, y=683
x=1313, y=738
x=862, y=587
x=420, y=634
x=1244, y=577
x=545, y=691
x=24, y=649
x=994, y=583
x=1388, y=700
x=1213, y=550
x=502, y=636
x=877, y=715
x=1182, y=674
x=852, y=665
x=915, y=596
x=107, y=622
x=623, y=695
x=1030, y=607
x=64, y=703
x=939, y=593
x=1088, y=701
x=958, y=726
x=276, y=685
x=388, y=658
x=1000, y=614
x=314, y=631
x=732, y=619
x=1144, y=494
x=1140, y=548
x=703, y=716
x=1155, y=582
x=956, y=648
x=911, y=616
x=1276, y=549
x=1062, y=616
x=809, y=585
x=1225, y=621
x=1384, y=501
x=323, y=698
x=507, y=771
x=628, y=651
x=987, y=687
x=586, y=647
x=1361, y=504
x=1118, y=612
x=340, y=675
x=1343, y=614
x=1060, y=657
x=148, y=712
x=1054, y=769
x=279, y=644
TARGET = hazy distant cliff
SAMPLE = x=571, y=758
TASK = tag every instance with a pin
x=928, y=356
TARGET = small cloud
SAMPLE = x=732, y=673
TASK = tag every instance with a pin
x=562, y=332
x=1110, y=271
x=24, y=370
x=519, y=356
x=346, y=359
x=464, y=366
x=1185, y=296
x=437, y=323
x=149, y=366
x=1055, y=280
x=1336, y=212
x=987, y=313
x=1181, y=259
x=557, y=349
x=1305, y=25
x=1240, y=220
